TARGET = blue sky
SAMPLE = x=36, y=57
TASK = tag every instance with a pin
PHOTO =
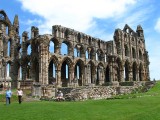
x=98, y=18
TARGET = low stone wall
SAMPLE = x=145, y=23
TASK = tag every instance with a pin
x=88, y=92
x=100, y=92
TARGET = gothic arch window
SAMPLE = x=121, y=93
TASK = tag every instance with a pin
x=64, y=49
x=96, y=56
x=9, y=48
x=87, y=54
x=126, y=72
x=107, y=74
x=127, y=30
x=51, y=47
x=105, y=58
x=78, y=71
x=29, y=50
x=140, y=72
x=8, y=69
x=140, y=55
x=20, y=73
x=65, y=73
x=52, y=72
x=126, y=51
x=7, y=30
x=134, y=71
x=133, y=53
x=76, y=53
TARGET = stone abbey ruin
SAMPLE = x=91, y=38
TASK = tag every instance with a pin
x=88, y=62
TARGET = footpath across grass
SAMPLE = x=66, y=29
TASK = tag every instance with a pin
x=145, y=106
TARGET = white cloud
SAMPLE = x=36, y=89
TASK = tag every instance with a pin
x=31, y=22
x=157, y=26
x=76, y=14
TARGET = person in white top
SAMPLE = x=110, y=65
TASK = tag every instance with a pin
x=19, y=94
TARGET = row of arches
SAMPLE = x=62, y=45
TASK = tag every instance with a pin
x=133, y=55
x=129, y=71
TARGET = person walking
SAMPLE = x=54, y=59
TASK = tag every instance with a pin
x=19, y=94
x=8, y=96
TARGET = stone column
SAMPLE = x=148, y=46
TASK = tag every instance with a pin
x=122, y=75
x=58, y=80
x=43, y=64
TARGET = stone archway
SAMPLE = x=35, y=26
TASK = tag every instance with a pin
x=79, y=72
x=141, y=72
x=134, y=71
x=107, y=74
x=66, y=71
x=126, y=68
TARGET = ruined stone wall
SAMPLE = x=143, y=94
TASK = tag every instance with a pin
x=88, y=61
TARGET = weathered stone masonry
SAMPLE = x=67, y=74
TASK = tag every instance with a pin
x=88, y=61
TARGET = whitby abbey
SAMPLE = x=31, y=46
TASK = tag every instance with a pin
x=88, y=62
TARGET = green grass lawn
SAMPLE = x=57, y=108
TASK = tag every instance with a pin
x=143, y=107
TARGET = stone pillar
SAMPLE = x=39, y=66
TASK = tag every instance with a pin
x=58, y=80
x=43, y=64
x=122, y=75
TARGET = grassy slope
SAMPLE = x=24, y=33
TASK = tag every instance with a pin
x=144, y=107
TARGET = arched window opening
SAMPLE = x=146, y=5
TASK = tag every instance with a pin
x=100, y=74
x=8, y=69
x=67, y=73
x=9, y=48
x=64, y=74
x=20, y=73
x=105, y=58
x=28, y=71
x=97, y=56
x=76, y=53
x=64, y=49
x=140, y=72
x=127, y=30
x=134, y=71
x=29, y=50
x=87, y=55
x=51, y=47
x=107, y=74
x=140, y=55
x=52, y=73
x=78, y=72
x=7, y=30
x=126, y=51
x=133, y=53
x=126, y=71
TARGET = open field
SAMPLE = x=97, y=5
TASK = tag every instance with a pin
x=144, y=106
